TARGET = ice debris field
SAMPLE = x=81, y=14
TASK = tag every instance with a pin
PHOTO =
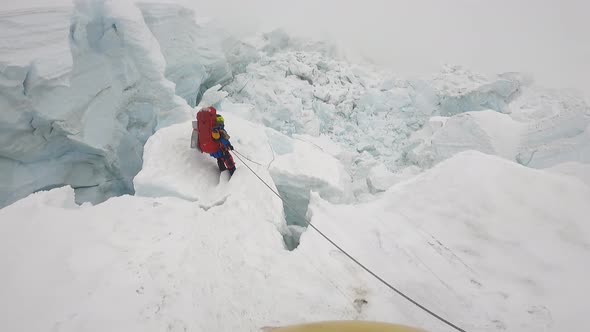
x=469, y=193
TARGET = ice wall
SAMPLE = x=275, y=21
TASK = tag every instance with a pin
x=79, y=112
x=194, y=53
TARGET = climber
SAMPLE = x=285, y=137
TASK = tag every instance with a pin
x=224, y=158
x=213, y=138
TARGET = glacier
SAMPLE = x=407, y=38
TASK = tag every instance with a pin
x=79, y=104
x=432, y=182
x=296, y=87
x=385, y=121
x=195, y=57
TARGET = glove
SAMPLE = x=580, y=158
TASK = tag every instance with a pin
x=231, y=147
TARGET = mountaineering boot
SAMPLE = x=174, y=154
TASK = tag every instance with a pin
x=221, y=164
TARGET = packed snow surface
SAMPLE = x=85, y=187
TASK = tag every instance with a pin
x=468, y=192
x=217, y=261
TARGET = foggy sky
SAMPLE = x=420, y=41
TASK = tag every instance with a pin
x=547, y=38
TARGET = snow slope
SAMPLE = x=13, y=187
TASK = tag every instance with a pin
x=215, y=261
x=456, y=234
x=578, y=170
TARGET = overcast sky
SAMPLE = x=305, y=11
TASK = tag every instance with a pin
x=548, y=38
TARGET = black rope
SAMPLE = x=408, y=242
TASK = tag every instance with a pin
x=247, y=158
x=352, y=258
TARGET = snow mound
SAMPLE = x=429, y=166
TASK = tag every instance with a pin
x=457, y=234
x=172, y=168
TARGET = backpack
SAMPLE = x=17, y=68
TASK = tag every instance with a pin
x=206, y=120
